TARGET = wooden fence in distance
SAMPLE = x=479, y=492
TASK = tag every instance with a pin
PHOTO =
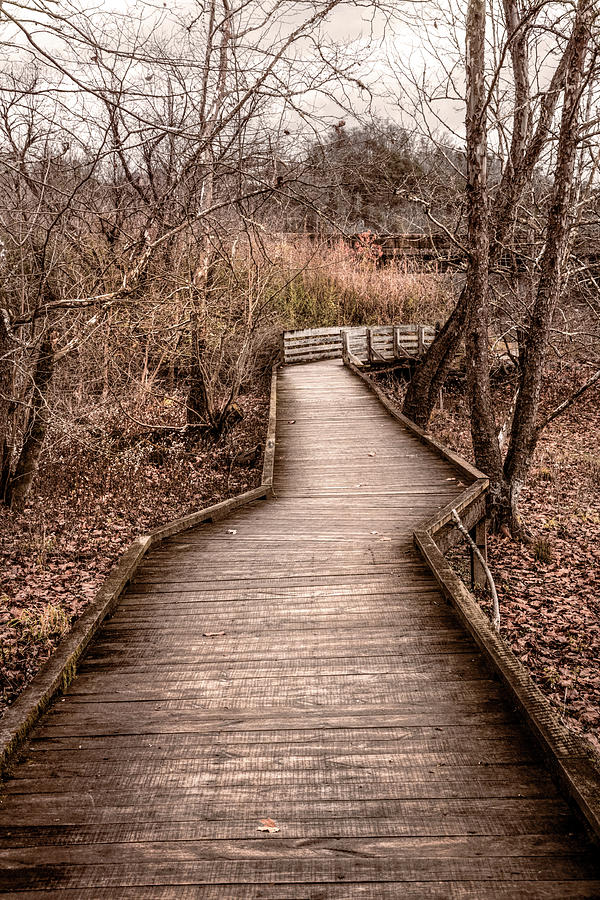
x=376, y=344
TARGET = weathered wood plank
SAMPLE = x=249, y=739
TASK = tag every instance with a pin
x=159, y=820
x=294, y=848
x=473, y=890
x=339, y=783
x=282, y=871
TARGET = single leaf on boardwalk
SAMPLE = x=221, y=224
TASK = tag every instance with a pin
x=268, y=825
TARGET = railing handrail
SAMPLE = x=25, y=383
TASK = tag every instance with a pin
x=571, y=757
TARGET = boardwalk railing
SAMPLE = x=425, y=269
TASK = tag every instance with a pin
x=381, y=343
x=572, y=759
x=367, y=344
x=471, y=505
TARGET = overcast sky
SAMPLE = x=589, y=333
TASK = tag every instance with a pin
x=394, y=46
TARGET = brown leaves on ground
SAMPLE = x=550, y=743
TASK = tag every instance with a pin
x=93, y=496
x=550, y=589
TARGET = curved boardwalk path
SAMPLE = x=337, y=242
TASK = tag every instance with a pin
x=304, y=668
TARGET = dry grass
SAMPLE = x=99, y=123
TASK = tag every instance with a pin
x=41, y=626
x=542, y=550
x=343, y=285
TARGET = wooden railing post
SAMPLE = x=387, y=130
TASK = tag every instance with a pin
x=369, y=345
x=479, y=535
x=396, y=341
x=345, y=346
x=421, y=340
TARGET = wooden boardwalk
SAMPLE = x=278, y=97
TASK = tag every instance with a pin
x=294, y=662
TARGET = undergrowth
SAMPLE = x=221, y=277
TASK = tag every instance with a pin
x=348, y=285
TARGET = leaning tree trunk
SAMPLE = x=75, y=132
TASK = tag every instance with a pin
x=525, y=432
x=37, y=423
x=6, y=386
x=525, y=151
x=483, y=427
x=431, y=373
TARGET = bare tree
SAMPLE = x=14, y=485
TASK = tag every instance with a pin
x=501, y=220
x=137, y=159
x=532, y=132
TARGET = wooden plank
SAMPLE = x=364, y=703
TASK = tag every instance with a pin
x=292, y=339
x=340, y=783
x=140, y=759
x=310, y=332
x=493, y=890
x=294, y=848
x=276, y=718
x=175, y=745
x=282, y=871
x=305, y=356
x=158, y=820
x=328, y=345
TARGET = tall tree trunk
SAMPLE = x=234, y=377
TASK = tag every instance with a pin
x=6, y=386
x=525, y=151
x=200, y=400
x=524, y=432
x=483, y=427
x=20, y=482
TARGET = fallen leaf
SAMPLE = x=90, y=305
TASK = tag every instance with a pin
x=213, y=633
x=291, y=421
x=232, y=531
x=268, y=825
x=371, y=453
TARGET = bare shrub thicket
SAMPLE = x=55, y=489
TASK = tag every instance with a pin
x=137, y=153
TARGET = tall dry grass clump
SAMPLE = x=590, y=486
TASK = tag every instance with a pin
x=338, y=284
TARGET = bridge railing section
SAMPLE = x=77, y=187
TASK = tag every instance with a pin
x=438, y=535
x=367, y=344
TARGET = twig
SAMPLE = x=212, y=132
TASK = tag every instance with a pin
x=569, y=401
x=486, y=569
x=427, y=208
